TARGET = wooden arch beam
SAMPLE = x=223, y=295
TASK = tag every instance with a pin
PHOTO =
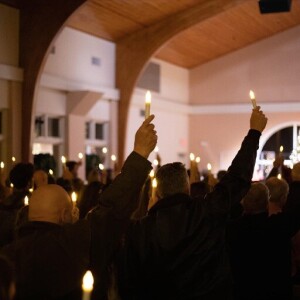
x=135, y=50
x=40, y=23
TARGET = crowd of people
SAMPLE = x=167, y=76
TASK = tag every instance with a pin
x=221, y=238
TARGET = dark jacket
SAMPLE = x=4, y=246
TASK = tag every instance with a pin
x=9, y=208
x=178, y=251
x=260, y=252
x=51, y=260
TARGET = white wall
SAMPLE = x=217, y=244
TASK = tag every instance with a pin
x=9, y=33
x=72, y=58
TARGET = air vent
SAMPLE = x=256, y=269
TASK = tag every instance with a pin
x=96, y=61
x=150, y=79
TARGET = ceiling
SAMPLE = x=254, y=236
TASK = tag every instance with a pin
x=235, y=28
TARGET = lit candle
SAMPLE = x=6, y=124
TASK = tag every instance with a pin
x=281, y=149
x=51, y=172
x=26, y=200
x=104, y=150
x=152, y=173
x=80, y=155
x=154, y=186
x=147, y=104
x=155, y=162
x=252, y=97
x=209, y=167
x=31, y=190
x=13, y=159
x=74, y=198
x=12, y=185
x=198, y=159
x=279, y=176
x=156, y=149
x=87, y=285
x=63, y=161
x=2, y=165
x=113, y=158
x=101, y=167
x=192, y=156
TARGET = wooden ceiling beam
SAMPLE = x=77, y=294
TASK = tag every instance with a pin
x=136, y=49
x=40, y=22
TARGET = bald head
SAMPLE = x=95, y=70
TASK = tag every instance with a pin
x=50, y=203
x=40, y=178
x=278, y=190
x=296, y=172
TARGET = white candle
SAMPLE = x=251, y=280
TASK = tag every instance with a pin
x=63, y=161
x=252, y=97
x=147, y=104
x=209, y=167
x=74, y=198
x=154, y=186
x=87, y=285
x=26, y=200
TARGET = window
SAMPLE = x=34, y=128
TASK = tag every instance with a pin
x=87, y=130
x=99, y=131
x=39, y=126
x=53, y=127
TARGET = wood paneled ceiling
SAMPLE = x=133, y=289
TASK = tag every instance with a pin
x=235, y=28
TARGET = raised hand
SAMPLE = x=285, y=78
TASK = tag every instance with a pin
x=258, y=120
x=145, y=138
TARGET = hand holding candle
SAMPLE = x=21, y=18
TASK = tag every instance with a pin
x=252, y=97
x=147, y=104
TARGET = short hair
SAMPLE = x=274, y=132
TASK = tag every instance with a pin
x=21, y=175
x=256, y=200
x=172, y=179
x=71, y=164
x=279, y=190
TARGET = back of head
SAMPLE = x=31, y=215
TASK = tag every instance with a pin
x=21, y=175
x=256, y=200
x=172, y=179
x=296, y=172
x=278, y=189
x=40, y=178
x=7, y=280
x=50, y=203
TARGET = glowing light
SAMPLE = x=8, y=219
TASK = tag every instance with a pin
x=152, y=173
x=154, y=183
x=88, y=282
x=101, y=167
x=80, y=155
x=281, y=149
x=50, y=171
x=156, y=149
x=155, y=162
x=31, y=190
x=63, y=159
x=26, y=200
x=147, y=104
x=209, y=167
x=279, y=176
x=13, y=159
x=104, y=150
x=252, y=97
x=11, y=185
x=113, y=158
x=74, y=197
x=192, y=156
x=2, y=165
x=198, y=159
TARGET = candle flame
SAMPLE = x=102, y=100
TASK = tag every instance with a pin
x=155, y=162
x=252, y=95
x=113, y=158
x=198, y=159
x=209, y=167
x=154, y=183
x=2, y=165
x=101, y=167
x=192, y=156
x=50, y=171
x=279, y=176
x=31, y=190
x=13, y=159
x=74, y=197
x=152, y=173
x=156, y=149
x=63, y=159
x=281, y=149
x=148, y=97
x=26, y=200
x=104, y=150
x=88, y=282
x=11, y=185
x=80, y=155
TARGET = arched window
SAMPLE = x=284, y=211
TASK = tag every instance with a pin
x=284, y=140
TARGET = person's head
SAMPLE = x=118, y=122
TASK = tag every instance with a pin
x=220, y=174
x=73, y=167
x=256, y=200
x=296, y=172
x=40, y=178
x=21, y=175
x=279, y=190
x=50, y=203
x=93, y=176
x=172, y=179
x=7, y=280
